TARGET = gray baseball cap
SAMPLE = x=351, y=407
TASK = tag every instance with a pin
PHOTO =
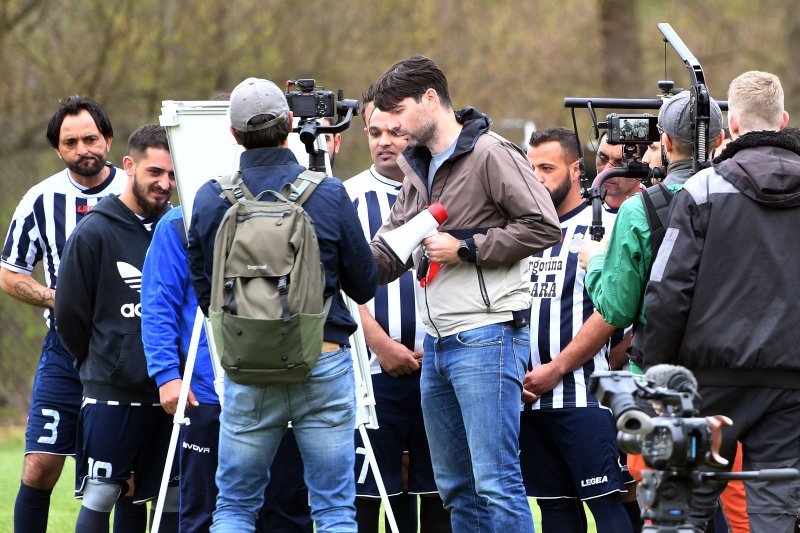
x=675, y=116
x=254, y=97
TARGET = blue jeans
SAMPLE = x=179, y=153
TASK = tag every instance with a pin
x=471, y=389
x=322, y=411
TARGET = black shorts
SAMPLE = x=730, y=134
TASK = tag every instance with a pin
x=569, y=453
x=117, y=441
x=55, y=401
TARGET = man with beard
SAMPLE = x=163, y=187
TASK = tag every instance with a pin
x=476, y=307
x=81, y=134
x=394, y=334
x=568, y=449
x=123, y=433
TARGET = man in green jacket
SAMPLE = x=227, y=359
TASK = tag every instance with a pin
x=617, y=276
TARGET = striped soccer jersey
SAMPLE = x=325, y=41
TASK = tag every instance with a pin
x=560, y=307
x=45, y=218
x=394, y=305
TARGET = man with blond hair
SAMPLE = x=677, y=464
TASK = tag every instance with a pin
x=721, y=289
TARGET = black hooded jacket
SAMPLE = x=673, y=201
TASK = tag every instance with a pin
x=98, y=314
x=723, y=293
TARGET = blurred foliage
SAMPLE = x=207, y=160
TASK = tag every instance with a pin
x=510, y=58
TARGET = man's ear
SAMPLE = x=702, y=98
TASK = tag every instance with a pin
x=719, y=139
x=666, y=141
x=129, y=165
x=733, y=124
x=575, y=170
x=233, y=132
x=784, y=120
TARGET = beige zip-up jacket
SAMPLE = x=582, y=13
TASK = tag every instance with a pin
x=497, y=205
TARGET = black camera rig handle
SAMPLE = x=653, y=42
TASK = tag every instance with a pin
x=700, y=97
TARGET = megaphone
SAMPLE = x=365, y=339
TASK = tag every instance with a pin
x=404, y=240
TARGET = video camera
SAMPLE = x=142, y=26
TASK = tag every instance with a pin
x=309, y=101
x=657, y=417
x=310, y=104
x=676, y=437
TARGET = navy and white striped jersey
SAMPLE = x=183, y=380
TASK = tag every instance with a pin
x=394, y=306
x=45, y=218
x=560, y=307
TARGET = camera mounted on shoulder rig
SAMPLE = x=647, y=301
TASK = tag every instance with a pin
x=311, y=103
x=629, y=130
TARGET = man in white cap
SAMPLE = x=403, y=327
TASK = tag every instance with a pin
x=321, y=408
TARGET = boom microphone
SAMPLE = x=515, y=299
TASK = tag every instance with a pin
x=404, y=240
x=672, y=377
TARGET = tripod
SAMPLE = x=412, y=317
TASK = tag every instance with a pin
x=668, y=493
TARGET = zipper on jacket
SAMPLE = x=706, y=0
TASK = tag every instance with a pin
x=482, y=284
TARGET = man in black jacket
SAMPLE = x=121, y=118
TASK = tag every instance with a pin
x=123, y=433
x=722, y=298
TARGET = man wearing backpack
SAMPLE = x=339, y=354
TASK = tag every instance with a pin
x=322, y=406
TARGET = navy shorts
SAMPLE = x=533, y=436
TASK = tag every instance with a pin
x=569, y=453
x=399, y=410
x=55, y=401
x=285, y=500
x=115, y=441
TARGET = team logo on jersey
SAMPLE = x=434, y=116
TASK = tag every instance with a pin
x=575, y=244
x=132, y=277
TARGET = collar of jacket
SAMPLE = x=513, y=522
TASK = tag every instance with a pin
x=474, y=123
x=755, y=139
x=764, y=166
x=263, y=157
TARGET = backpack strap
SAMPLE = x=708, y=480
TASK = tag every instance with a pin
x=233, y=187
x=656, y=200
x=302, y=187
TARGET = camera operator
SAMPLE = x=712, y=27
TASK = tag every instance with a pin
x=477, y=343
x=322, y=408
x=616, y=277
x=706, y=312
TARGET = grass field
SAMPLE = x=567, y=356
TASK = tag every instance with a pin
x=63, y=507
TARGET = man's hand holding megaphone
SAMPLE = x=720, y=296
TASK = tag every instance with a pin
x=421, y=230
x=442, y=248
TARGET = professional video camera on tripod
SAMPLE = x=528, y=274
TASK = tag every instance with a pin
x=674, y=444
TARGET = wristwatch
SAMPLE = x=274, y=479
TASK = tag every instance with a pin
x=463, y=251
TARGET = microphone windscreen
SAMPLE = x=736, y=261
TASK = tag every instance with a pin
x=672, y=377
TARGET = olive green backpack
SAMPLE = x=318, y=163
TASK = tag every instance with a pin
x=267, y=308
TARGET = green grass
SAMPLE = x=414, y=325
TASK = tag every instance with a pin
x=63, y=506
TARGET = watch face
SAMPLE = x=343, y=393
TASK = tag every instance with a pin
x=463, y=251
